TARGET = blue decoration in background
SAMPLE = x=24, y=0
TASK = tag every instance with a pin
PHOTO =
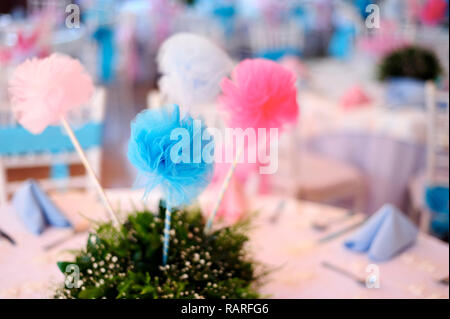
x=226, y=15
x=102, y=14
x=224, y=11
x=59, y=171
x=278, y=53
x=342, y=41
x=437, y=201
x=362, y=5
x=104, y=35
x=298, y=11
x=53, y=139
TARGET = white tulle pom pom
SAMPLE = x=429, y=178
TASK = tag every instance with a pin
x=191, y=68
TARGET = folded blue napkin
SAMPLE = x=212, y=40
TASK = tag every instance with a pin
x=383, y=235
x=36, y=210
x=405, y=92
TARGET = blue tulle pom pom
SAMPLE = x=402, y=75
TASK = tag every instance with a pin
x=169, y=153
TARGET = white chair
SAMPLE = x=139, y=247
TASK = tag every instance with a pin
x=194, y=23
x=437, y=135
x=324, y=180
x=437, y=167
x=86, y=121
x=273, y=41
x=314, y=177
x=437, y=154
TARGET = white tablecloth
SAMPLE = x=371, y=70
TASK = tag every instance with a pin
x=385, y=145
x=321, y=115
x=289, y=247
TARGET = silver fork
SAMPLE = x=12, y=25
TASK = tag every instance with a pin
x=323, y=226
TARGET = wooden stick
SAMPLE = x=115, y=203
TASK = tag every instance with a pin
x=225, y=185
x=90, y=171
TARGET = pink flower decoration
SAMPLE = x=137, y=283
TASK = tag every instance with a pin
x=354, y=98
x=260, y=94
x=44, y=90
x=433, y=12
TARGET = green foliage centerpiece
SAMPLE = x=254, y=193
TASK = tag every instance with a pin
x=133, y=259
x=126, y=262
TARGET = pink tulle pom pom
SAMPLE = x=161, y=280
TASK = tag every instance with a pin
x=44, y=90
x=260, y=94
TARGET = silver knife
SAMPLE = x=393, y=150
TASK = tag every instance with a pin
x=7, y=237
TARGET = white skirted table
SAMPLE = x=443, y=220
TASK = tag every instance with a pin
x=283, y=240
x=387, y=146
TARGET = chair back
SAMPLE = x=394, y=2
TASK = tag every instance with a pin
x=436, y=197
x=437, y=135
x=52, y=148
x=273, y=41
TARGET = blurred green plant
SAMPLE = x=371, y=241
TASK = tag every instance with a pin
x=126, y=262
x=411, y=62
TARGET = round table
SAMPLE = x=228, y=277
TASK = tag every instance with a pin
x=290, y=246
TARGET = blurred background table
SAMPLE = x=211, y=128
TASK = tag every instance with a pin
x=288, y=247
x=386, y=144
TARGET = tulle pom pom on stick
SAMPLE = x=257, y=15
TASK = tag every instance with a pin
x=260, y=94
x=163, y=147
x=191, y=69
x=42, y=91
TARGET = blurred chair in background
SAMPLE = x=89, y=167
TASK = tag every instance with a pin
x=314, y=177
x=429, y=191
x=437, y=182
x=52, y=148
x=438, y=135
x=325, y=180
x=202, y=25
x=275, y=41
